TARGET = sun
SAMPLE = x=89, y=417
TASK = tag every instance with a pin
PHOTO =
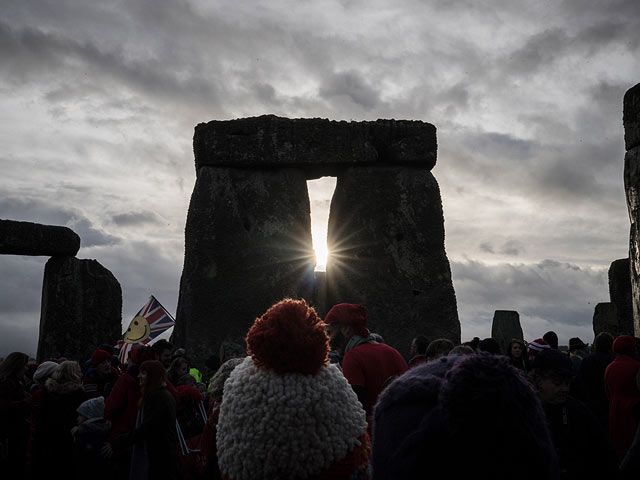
x=321, y=250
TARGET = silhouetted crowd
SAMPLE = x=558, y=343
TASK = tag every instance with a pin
x=312, y=398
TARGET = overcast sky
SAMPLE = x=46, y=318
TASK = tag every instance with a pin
x=99, y=100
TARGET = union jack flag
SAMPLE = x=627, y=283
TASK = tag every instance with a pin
x=158, y=320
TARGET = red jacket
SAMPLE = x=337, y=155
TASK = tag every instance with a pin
x=622, y=390
x=121, y=406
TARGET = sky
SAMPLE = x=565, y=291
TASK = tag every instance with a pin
x=98, y=102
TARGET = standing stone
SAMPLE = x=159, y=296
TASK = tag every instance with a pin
x=386, y=244
x=605, y=319
x=631, y=120
x=620, y=294
x=26, y=238
x=506, y=327
x=81, y=308
x=247, y=245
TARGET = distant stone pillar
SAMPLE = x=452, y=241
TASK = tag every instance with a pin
x=81, y=308
x=620, y=294
x=505, y=327
x=26, y=238
x=606, y=319
x=386, y=244
x=631, y=120
x=247, y=245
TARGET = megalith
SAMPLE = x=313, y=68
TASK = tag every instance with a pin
x=81, y=308
x=386, y=244
x=631, y=120
x=620, y=294
x=606, y=319
x=248, y=235
x=506, y=327
x=26, y=238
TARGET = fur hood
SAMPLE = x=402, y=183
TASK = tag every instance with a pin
x=62, y=388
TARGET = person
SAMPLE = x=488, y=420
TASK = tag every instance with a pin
x=489, y=345
x=469, y=416
x=154, y=439
x=52, y=442
x=162, y=352
x=535, y=347
x=577, y=351
x=14, y=415
x=579, y=440
x=121, y=407
x=516, y=352
x=418, y=350
x=438, y=348
x=100, y=378
x=179, y=367
x=551, y=338
x=591, y=374
x=90, y=433
x=622, y=391
x=287, y=412
x=367, y=365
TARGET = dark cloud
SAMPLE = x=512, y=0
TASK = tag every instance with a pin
x=352, y=85
x=133, y=219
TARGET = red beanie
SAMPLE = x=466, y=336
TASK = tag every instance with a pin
x=99, y=356
x=349, y=314
x=537, y=346
x=624, y=345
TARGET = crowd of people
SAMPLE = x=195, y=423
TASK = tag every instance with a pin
x=326, y=398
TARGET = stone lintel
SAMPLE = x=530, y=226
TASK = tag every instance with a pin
x=26, y=238
x=313, y=143
x=631, y=117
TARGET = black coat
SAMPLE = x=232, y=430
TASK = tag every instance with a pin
x=592, y=378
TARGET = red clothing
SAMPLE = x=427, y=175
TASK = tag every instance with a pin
x=622, y=390
x=121, y=406
x=370, y=365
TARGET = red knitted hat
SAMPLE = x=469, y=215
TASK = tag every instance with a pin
x=349, y=314
x=289, y=337
x=99, y=356
x=537, y=346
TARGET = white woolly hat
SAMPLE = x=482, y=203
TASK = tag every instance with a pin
x=287, y=413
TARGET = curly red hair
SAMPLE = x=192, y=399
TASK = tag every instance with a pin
x=289, y=337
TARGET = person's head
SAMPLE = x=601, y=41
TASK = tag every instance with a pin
x=438, y=348
x=419, y=345
x=179, y=367
x=217, y=386
x=516, y=349
x=44, y=371
x=535, y=347
x=101, y=361
x=343, y=321
x=625, y=345
x=140, y=354
x=68, y=371
x=162, y=352
x=603, y=342
x=187, y=380
x=489, y=345
x=469, y=413
x=90, y=409
x=576, y=345
x=552, y=339
x=14, y=366
x=152, y=376
x=461, y=350
x=551, y=373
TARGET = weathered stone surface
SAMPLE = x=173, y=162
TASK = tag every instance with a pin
x=386, y=243
x=26, y=238
x=81, y=308
x=632, y=189
x=319, y=145
x=605, y=319
x=620, y=294
x=631, y=117
x=505, y=327
x=247, y=245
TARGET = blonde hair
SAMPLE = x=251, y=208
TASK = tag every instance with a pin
x=67, y=371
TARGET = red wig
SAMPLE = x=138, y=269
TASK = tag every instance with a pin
x=289, y=337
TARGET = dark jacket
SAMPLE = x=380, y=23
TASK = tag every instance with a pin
x=591, y=374
x=89, y=437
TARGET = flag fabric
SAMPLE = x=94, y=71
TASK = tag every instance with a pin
x=154, y=318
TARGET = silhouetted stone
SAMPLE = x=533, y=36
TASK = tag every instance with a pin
x=26, y=238
x=631, y=117
x=386, y=244
x=247, y=245
x=605, y=319
x=620, y=294
x=506, y=327
x=632, y=189
x=81, y=308
x=318, y=145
